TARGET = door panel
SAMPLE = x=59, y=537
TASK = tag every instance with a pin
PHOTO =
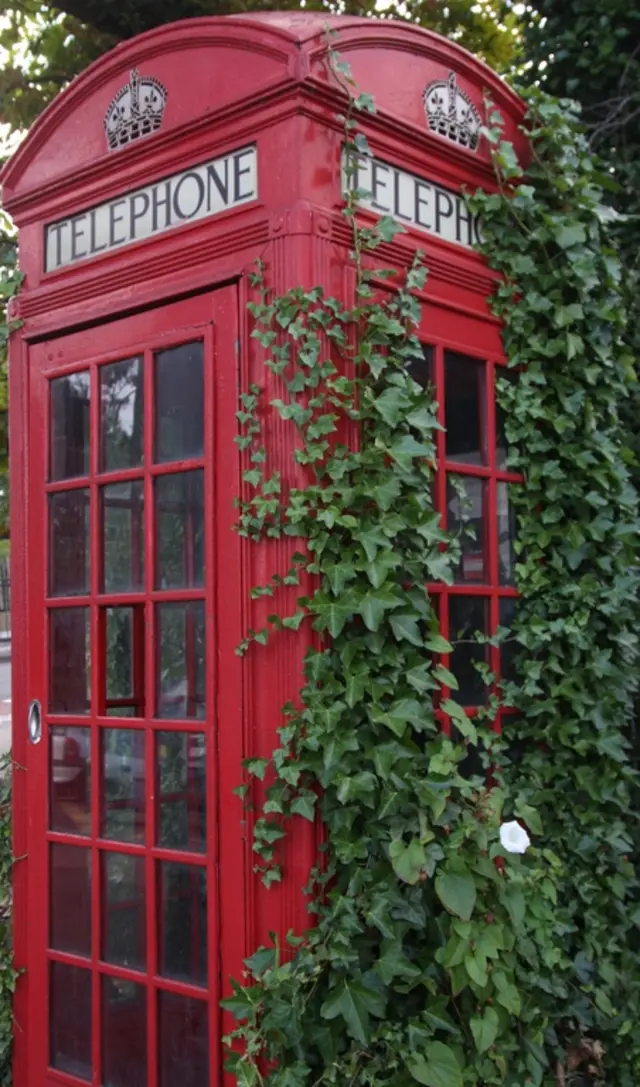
x=132, y=474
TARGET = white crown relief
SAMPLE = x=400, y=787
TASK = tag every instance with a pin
x=451, y=113
x=135, y=111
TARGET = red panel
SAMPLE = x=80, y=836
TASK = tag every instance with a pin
x=213, y=320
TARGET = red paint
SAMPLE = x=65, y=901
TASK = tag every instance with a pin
x=231, y=82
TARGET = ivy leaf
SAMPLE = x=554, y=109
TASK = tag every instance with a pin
x=462, y=721
x=437, y=1068
x=385, y=493
x=457, y=892
x=392, y=405
x=570, y=234
x=305, y=806
x=485, y=1029
x=408, y=861
x=400, y=714
x=355, y=1003
x=444, y=676
x=405, y=628
x=331, y=614
x=421, y=678
x=435, y=643
x=374, y=604
x=387, y=228
x=256, y=767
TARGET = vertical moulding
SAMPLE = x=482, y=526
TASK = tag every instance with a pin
x=275, y=672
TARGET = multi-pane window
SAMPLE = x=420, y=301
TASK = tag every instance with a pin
x=472, y=490
x=129, y=846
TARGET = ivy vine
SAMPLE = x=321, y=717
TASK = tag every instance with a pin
x=436, y=957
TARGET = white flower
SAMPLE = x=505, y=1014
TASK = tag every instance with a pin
x=514, y=838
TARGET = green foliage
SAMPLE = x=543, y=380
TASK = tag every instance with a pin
x=588, y=51
x=562, y=301
x=7, y=972
x=435, y=958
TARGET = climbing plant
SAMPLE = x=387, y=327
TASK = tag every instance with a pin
x=446, y=949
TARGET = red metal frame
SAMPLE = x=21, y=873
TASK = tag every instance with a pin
x=261, y=80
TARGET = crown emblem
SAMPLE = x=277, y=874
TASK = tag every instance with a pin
x=451, y=113
x=135, y=111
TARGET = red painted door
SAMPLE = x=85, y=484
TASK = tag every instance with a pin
x=133, y=612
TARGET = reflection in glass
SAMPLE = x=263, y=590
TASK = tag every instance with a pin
x=70, y=870
x=420, y=367
x=121, y=414
x=182, y=922
x=184, y=1041
x=69, y=546
x=70, y=780
x=179, y=501
x=124, y=1033
x=69, y=661
x=509, y=649
x=123, y=530
x=123, y=776
x=465, y=409
x=179, y=402
x=182, y=820
x=181, y=644
x=124, y=927
x=466, y=498
x=506, y=536
x=467, y=616
x=119, y=651
x=70, y=1019
x=70, y=426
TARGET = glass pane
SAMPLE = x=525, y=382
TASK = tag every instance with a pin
x=70, y=899
x=181, y=641
x=421, y=367
x=465, y=409
x=468, y=615
x=506, y=536
x=123, y=922
x=69, y=547
x=70, y=780
x=183, y=1041
x=179, y=503
x=509, y=649
x=182, y=821
x=466, y=499
x=70, y=1019
x=123, y=776
x=70, y=426
x=182, y=922
x=69, y=660
x=179, y=407
x=123, y=532
x=121, y=414
x=125, y=654
x=124, y=1033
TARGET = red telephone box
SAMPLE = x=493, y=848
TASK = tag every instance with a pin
x=144, y=195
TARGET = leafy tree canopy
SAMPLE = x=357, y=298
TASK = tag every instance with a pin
x=45, y=47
